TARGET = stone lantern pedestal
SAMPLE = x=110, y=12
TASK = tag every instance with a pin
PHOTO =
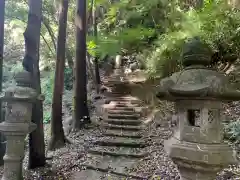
x=118, y=71
x=17, y=124
x=197, y=146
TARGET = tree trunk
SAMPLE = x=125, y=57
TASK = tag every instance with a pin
x=81, y=113
x=31, y=64
x=90, y=27
x=57, y=134
x=2, y=13
x=97, y=76
x=89, y=17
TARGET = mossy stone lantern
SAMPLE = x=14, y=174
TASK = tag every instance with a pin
x=197, y=146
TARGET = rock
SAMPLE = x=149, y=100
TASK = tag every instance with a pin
x=103, y=89
x=97, y=97
x=107, y=101
x=141, y=66
x=127, y=71
x=68, y=125
x=134, y=66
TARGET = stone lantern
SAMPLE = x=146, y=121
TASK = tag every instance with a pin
x=17, y=124
x=118, y=71
x=197, y=146
x=117, y=81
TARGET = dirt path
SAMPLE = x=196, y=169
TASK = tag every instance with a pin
x=120, y=145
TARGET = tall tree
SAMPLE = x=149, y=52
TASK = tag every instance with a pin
x=57, y=134
x=90, y=31
x=96, y=58
x=2, y=13
x=31, y=64
x=81, y=113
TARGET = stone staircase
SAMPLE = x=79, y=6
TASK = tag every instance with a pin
x=121, y=143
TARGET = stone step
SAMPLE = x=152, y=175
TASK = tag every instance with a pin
x=124, y=99
x=132, y=109
x=122, y=122
x=122, y=176
x=89, y=174
x=124, y=105
x=127, y=102
x=124, y=116
x=115, y=82
x=118, y=94
x=113, y=175
x=112, y=80
x=120, y=141
x=122, y=133
x=93, y=173
x=122, y=127
x=118, y=151
x=128, y=97
x=119, y=164
x=120, y=111
x=113, y=96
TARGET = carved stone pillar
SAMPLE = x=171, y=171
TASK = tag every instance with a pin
x=17, y=124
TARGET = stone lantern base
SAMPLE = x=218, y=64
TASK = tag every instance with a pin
x=191, y=174
x=118, y=72
x=199, y=161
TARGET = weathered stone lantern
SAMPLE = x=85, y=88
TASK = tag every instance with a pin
x=197, y=146
x=117, y=81
x=17, y=124
x=118, y=71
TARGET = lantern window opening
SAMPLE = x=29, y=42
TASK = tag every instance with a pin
x=210, y=116
x=213, y=114
x=193, y=116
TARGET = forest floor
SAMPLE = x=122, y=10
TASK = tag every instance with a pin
x=65, y=162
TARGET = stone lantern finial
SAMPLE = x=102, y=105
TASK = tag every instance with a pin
x=195, y=52
x=197, y=146
x=23, y=79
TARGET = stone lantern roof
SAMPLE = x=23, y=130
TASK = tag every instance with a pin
x=197, y=80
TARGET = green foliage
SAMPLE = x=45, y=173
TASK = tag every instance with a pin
x=130, y=26
x=46, y=116
x=216, y=23
x=16, y=68
x=101, y=47
x=232, y=131
x=161, y=28
x=68, y=78
x=47, y=89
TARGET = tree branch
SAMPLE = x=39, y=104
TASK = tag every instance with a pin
x=44, y=39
